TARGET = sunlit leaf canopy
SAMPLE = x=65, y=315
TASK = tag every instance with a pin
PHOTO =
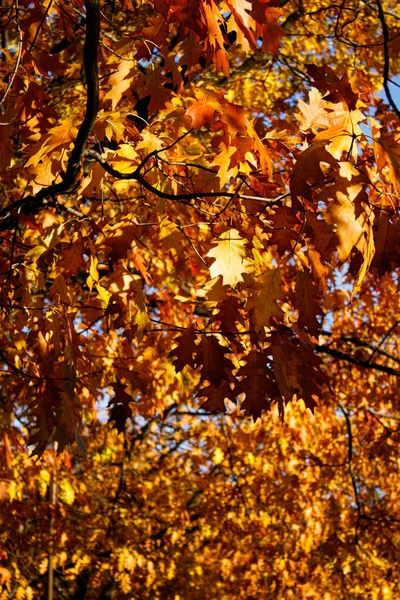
x=200, y=243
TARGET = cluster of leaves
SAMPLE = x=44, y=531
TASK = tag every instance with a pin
x=193, y=506
x=199, y=207
x=155, y=203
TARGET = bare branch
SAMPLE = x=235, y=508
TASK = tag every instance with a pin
x=137, y=176
x=366, y=364
x=386, y=65
x=32, y=203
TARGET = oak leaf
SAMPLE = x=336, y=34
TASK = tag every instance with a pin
x=297, y=368
x=313, y=116
x=184, y=352
x=262, y=303
x=119, y=81
x=336, y=89
x=308, y=170
x=387, y=152
x=120, y=409
x=229, y=258
x=387, y=242
x=257, y=382
x=306, y=299
x=216, y=395
x=210, y=356
x=215, y=44
x=203, y=109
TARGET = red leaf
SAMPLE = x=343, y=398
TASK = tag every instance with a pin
x=338, y=90
x=120, y=410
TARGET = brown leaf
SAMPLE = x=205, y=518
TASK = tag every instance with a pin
x=338, y=90
x=262, y=303
x=306, y=298
x=308, y=171
x=297, y=368
x=120, y=409
x=257, y=382
x=183, y=354
x=216, y=396
x=211, y=358
x=387, y=242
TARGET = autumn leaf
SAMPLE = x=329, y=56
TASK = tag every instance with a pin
x=354, y=235
x=119, y=82
x=256, y=381
x=292, y=379
x=308, y=170
x=306, y=298
x=216, y=395
x=57, y=138
x=202, y=110
x=154, y=86
x=262, y=303
x=72, y=257
x=387, y=251
x=268, y=20
x=120, y=409
x=313, y=116
x=337, y=89
x=59, y=287
x=229, y=258
x=183, y=354
x=211, y=358
x=199, y=250
x=229, y=314
x=215, y=42
x=387, y=151
x=242, y=23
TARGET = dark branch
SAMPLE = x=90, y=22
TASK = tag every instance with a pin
x=366, y=364
x=32, y=203
x=136, y=175
x=351, y=339
x=351, y=472
x=92, y=83
x=386, y=65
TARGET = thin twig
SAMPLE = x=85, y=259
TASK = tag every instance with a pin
x=10, y=83
x=386, y=64
x=360, y=363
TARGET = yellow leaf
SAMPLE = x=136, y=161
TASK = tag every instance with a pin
x=104, y=295
x=141, y=318
x=149, y=142
x=312, y=116
x=119, y=82
x=20, y=593
x=57, y=138
x=218, y=456
x=93, y=276
x=223, y=161
x=341, y=132
x=67, y=493
x=124, y=160
x=166, y=227
x=230, y=258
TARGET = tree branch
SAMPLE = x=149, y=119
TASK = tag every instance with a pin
x=366, y=364
x=350, y=339
x=30, y=204
x=351, y=472
x=136, y=175
x=386, y=65
x=92, y=83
